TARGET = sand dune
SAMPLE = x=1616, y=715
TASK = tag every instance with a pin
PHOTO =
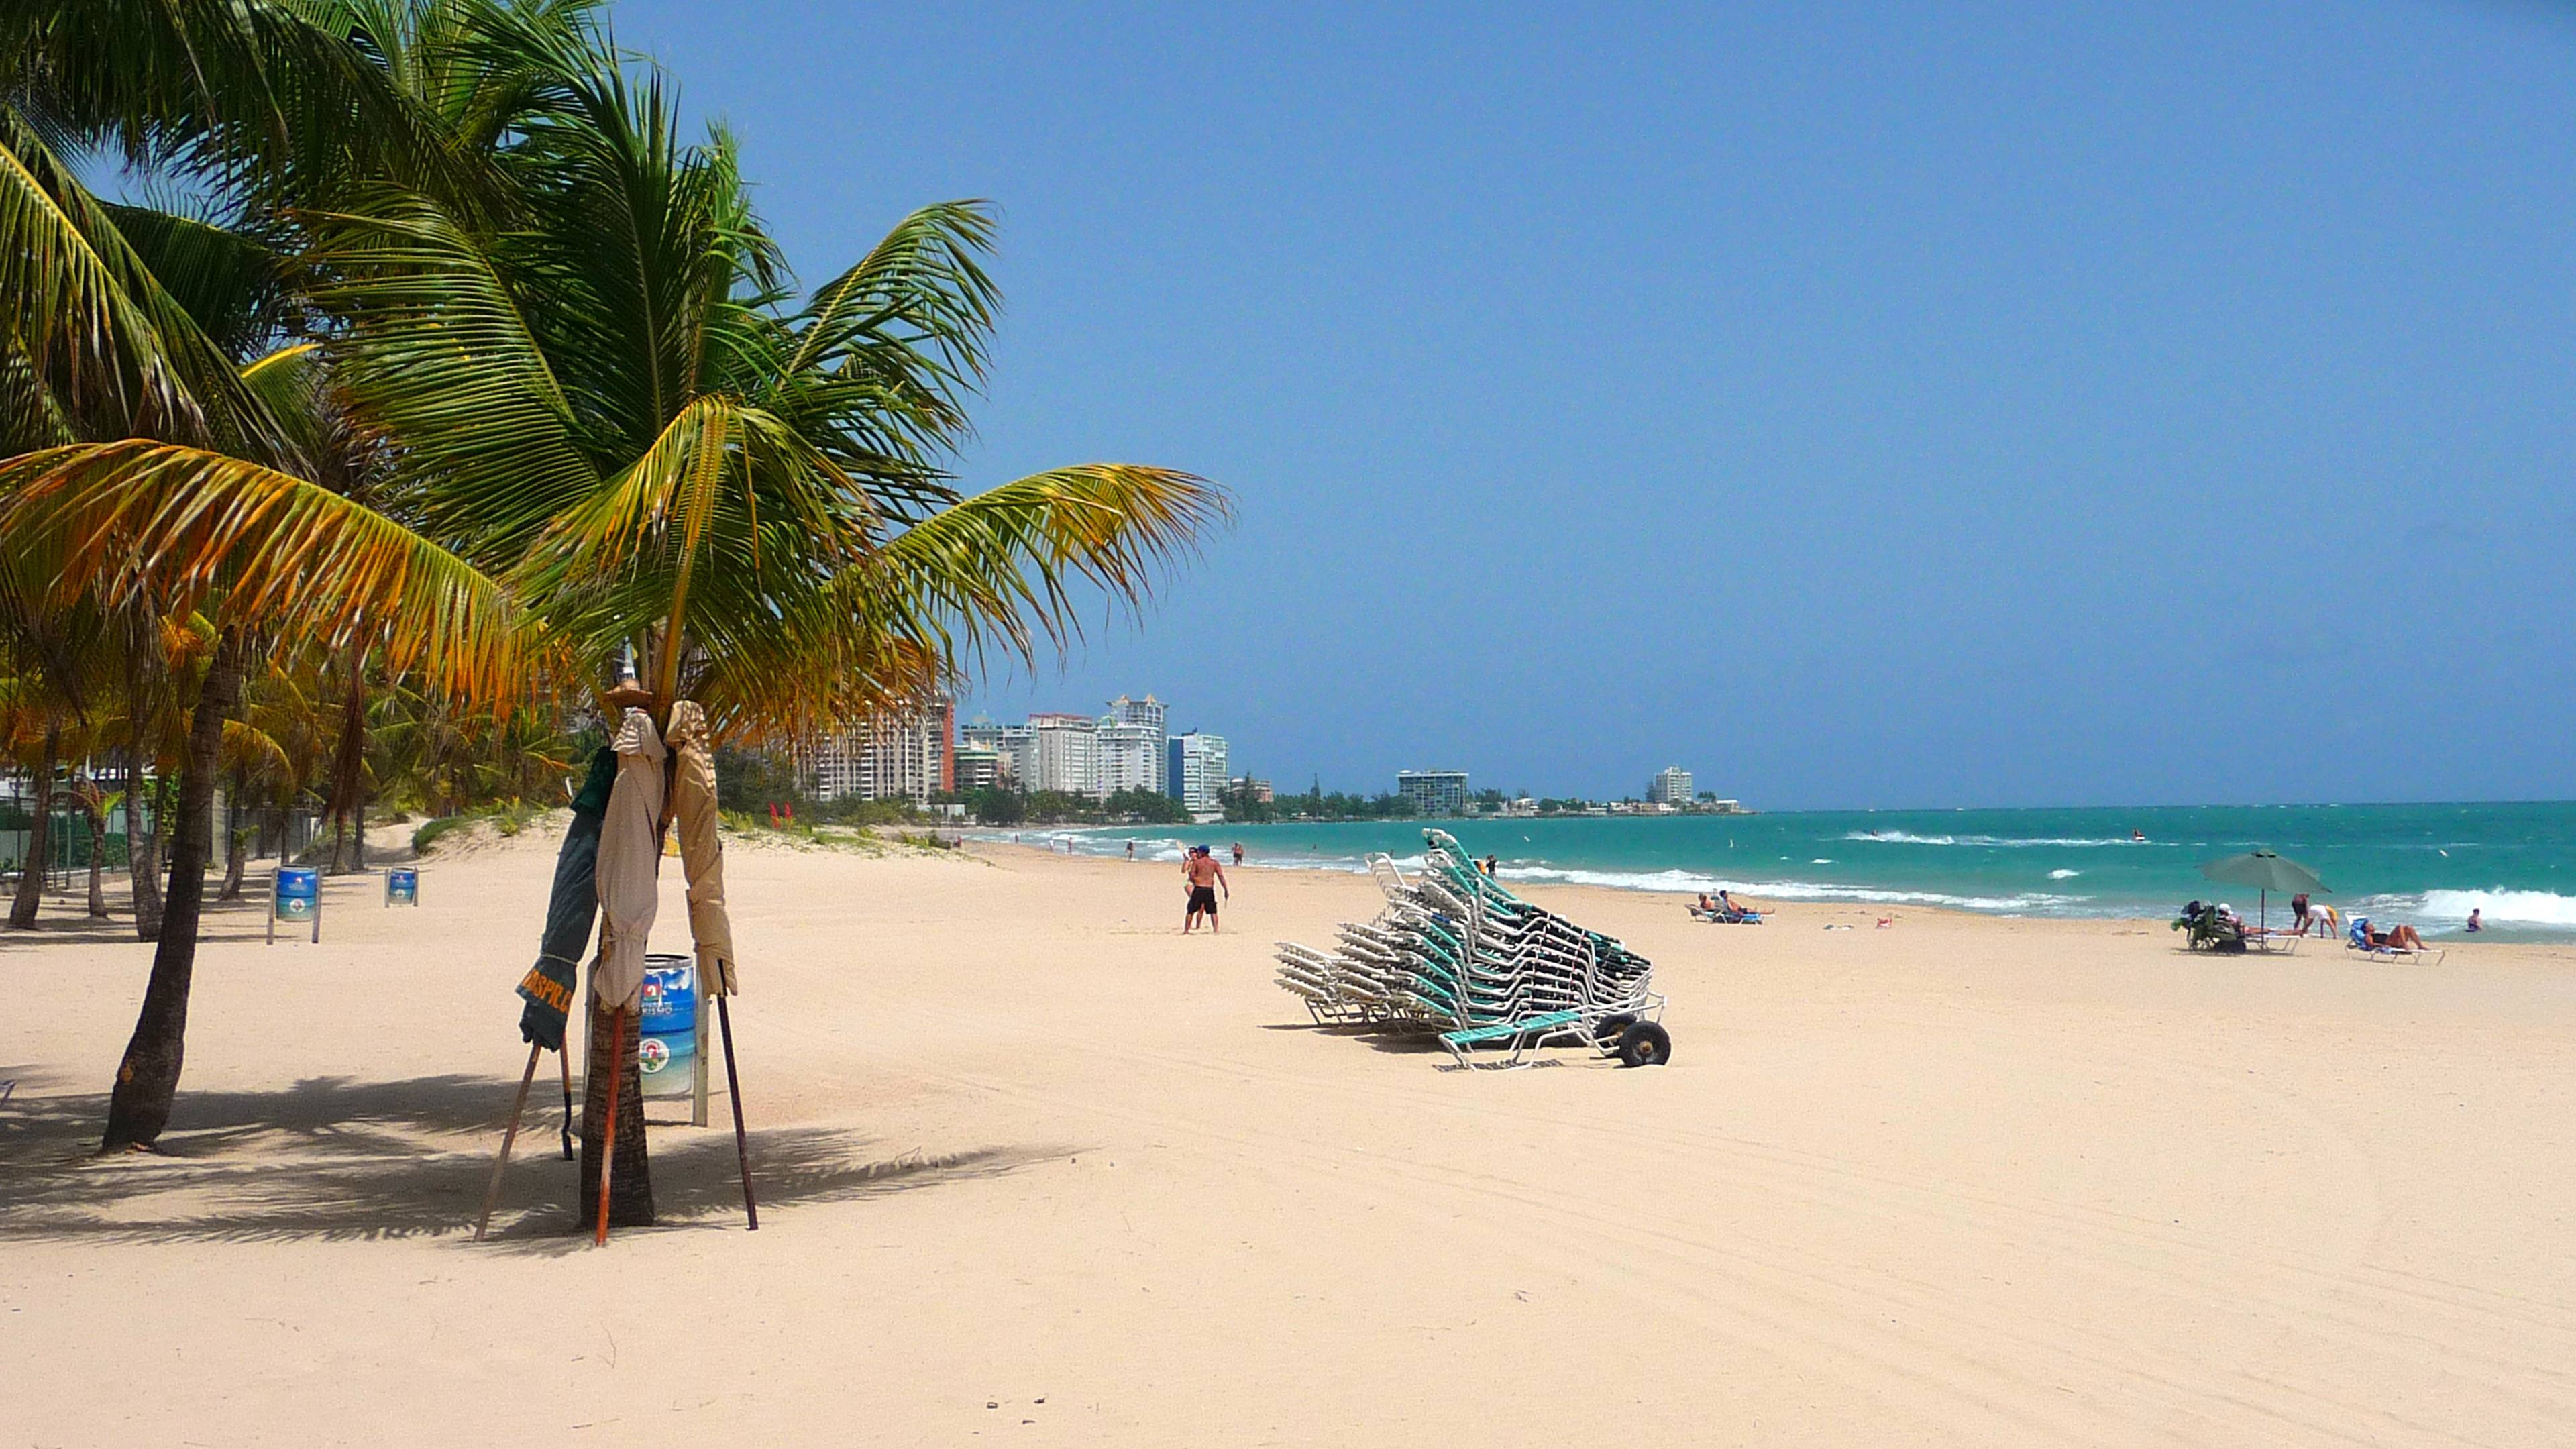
x=1034, y=1165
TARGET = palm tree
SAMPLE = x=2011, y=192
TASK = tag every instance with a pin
x=94, y=803
x=612, y=428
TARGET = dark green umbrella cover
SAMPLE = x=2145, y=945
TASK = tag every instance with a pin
x=570, y=912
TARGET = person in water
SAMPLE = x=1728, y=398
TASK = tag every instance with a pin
x=2476, y=923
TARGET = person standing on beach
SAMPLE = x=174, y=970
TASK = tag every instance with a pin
x=1204, y=875
x=1131, y=851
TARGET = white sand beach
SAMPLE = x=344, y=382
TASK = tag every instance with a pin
x=1034, y=1168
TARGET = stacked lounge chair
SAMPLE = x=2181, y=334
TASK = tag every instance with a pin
x=1457, y=956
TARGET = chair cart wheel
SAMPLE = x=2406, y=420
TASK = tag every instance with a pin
x=1607, y=1034
x=1645, y=1044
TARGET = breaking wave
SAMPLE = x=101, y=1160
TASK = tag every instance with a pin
x=1997, y=842
x=1681, y=881
x=2449, y=909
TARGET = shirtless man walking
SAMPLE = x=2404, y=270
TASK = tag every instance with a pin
x=1205, y=876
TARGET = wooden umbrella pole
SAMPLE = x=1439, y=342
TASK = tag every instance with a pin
x=608, y=1146
x=563, y=1059
x=733, y=1093
x=492, y=1194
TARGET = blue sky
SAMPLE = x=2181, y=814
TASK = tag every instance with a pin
x=2001, y=404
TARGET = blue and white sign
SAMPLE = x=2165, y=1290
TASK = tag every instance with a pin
x=402, y=886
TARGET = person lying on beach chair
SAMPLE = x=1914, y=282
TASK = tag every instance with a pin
x=1725, y=911
x=2395, y=938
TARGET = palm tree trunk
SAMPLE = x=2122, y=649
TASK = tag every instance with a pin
x=93, y=810
x=630, y=1189
x=147, y=1081
x=142, y=861
x=234, y=863
x=347, y=767
x=40, y=838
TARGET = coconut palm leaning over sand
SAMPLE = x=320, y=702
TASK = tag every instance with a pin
x=605, y=426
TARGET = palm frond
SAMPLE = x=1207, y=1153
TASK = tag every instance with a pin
x=85, y=309
x=1005, y=570
x=440, y=351
x=268, y=550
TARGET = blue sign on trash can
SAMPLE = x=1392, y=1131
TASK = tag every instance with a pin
x=402, y=886
x=669, y=1054
x=299, y=893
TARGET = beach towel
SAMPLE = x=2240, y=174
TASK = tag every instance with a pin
x=693, y=810
x=629, y=847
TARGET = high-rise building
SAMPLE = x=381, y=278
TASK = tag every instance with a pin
x=1147, y=713
x=903, y=755
x=1018, y=746
x=1433, y=792
x=1130, y=757
x=980, y=767
x=1067, y=754
x=1672, y=787
x=1194, y=771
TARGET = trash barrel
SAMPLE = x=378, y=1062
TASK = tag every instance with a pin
x=669, y=1054
x=299, y=893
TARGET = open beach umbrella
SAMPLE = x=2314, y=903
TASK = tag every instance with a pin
x=2267, y=872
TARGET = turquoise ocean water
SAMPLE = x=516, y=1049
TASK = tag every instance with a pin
x=2423, y=864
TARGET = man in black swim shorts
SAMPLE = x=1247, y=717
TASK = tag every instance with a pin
x=1205, y=876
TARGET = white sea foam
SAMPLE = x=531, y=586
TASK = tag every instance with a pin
x=2064, y=874
x=1682, y=881
x=2004, y=842
x=2448, y=909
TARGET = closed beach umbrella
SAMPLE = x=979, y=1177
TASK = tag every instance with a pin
x=630, y=849
x=570, y=910
x=2267, y=872
x=693, y=812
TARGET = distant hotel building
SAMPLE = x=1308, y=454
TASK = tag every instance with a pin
x=1671, y=787
x=1136, y=721
x=980, y=767
x=1065, y=751
x=1130, y=757
x=1434, y=792
x=908, y=755
x=1194, y=771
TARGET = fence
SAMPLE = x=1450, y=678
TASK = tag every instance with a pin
x=273, y=833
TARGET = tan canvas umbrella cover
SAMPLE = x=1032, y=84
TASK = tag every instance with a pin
x=693, y=805
x=629, y=846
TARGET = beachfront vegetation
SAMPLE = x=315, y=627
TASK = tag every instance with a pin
x=462, y=375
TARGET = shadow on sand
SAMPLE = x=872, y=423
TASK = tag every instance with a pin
x=333, y=1159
